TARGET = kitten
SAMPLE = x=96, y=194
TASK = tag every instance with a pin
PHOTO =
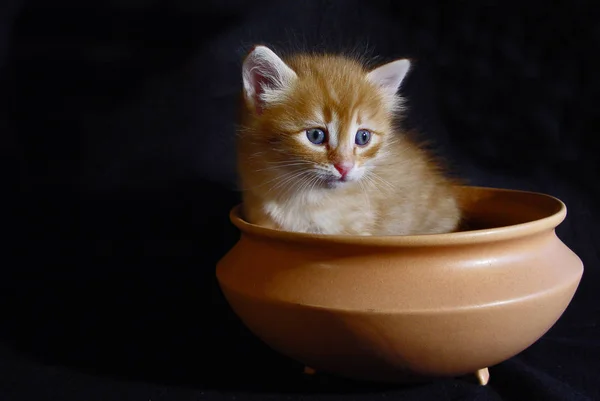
x=318, y=152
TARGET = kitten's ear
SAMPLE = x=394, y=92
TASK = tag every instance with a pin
x=389, y=76
x=266, y=77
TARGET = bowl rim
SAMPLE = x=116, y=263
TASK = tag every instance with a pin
x=494, y=234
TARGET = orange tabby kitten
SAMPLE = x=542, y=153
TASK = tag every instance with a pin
x=318, y=153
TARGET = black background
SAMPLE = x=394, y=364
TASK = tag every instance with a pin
x=118, y=174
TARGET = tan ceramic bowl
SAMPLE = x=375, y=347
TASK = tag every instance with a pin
x=401, y=308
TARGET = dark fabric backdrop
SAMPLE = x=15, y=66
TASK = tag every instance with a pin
x=118, y=117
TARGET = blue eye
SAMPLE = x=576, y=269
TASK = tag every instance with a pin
x=362, y=137
x=316, y=136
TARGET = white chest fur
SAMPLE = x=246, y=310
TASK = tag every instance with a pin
x=318, y=213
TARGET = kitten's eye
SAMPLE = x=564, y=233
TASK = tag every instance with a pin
x=316, y=136
x=362, y=137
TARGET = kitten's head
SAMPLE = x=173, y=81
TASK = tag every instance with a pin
x=326, y=118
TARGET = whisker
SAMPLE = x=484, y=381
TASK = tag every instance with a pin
x=287, y=177
x=279, y=177
x=367, y=198
x=281, y=166
x=310, y=183
x=384, y=182
x=289, y=180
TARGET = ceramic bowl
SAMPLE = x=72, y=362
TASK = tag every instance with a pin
x=407, y=308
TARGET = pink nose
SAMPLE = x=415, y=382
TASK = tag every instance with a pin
x=344, y=167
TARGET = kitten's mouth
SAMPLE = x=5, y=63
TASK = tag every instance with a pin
x=334, y=182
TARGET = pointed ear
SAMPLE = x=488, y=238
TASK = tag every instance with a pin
x=266, y=77
x=389, y=76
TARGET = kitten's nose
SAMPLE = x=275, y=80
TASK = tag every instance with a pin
x=343, y=167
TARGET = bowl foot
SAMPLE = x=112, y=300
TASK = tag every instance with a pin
x=309, y=371
x=483, y=376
